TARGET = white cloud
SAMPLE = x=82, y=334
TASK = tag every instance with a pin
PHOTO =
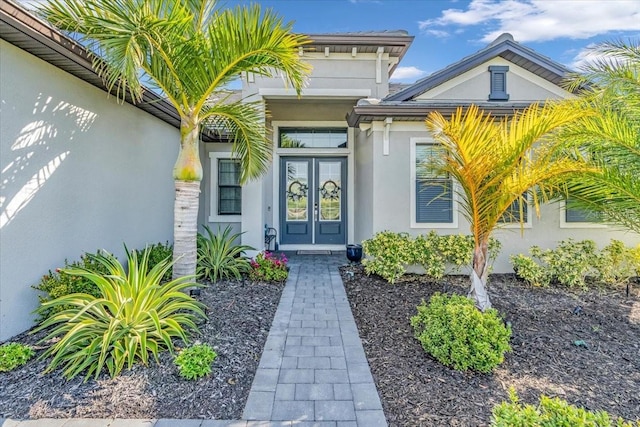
x=542, y=20
x=407, y=73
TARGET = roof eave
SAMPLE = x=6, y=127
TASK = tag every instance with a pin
x=27, y=32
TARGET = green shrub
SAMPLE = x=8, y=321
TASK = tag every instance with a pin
x=457, y=334
x=219, y=257
x=13, y=355
x=60, y=283
x=550, y=413
x=158, y=253
x=133, y=315
x=529, y=270
x=268, y=267
x=195, y=362
x=389, y=254
x=616, y=264
x=571, y=262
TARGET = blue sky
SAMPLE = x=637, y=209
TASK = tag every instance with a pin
x=448, y=30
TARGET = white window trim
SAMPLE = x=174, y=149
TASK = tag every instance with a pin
x=213, y=212
x=412, y=176
x=565, y=224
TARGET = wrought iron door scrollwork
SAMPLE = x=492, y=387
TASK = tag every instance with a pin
x=297, y=191
x=330, y=190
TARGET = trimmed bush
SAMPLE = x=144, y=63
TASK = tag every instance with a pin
x=389, y=254
x=195, y=362
x=457, y=334
x=14, y=355
x=60, y=283
x=551, y=412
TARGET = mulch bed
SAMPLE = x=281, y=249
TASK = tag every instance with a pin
x=240, y=317
x=416, y=390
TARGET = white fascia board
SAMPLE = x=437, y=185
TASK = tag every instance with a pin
x=314, y=93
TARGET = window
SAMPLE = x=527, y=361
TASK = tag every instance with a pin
x=433, y=192
x=226, y=193
x=512, y=214
x=229, y=190
x=576, y=215
x=312, y=138
x=498, y=83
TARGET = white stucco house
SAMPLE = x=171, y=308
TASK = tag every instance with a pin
x=81, y=172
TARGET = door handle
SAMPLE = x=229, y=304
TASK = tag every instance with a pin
x=315, y=212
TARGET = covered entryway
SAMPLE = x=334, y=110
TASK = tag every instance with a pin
x=313, y=200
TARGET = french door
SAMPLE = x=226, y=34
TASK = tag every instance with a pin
x=313, y=200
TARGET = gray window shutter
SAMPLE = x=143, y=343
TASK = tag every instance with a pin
x=498, y=83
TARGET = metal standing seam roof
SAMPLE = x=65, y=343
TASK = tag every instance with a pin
x=505, y=47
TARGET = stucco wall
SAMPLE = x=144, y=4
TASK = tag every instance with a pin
x=364, y=187
x=475, y=85
x=79, y=172
x=392, y=207
x=335, y=72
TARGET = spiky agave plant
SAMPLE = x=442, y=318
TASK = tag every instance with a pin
x=133, y=317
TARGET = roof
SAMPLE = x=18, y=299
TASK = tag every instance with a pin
x=505, y=47
x=31, y=34
x=395, y=43
x=368, y=110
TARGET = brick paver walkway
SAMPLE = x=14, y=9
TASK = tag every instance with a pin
x=313, y=370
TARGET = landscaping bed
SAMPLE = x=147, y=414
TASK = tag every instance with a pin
x=582, y=346
x=240, y=316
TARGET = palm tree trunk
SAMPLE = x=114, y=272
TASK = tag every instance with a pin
x=479, y=276
x=187, y=174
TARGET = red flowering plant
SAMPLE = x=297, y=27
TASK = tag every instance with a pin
x=269, y=267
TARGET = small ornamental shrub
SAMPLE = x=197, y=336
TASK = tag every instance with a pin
x=571, y=262
x=457, y=334
x=389, y=254
x=195, y=362
x=551, y=412
x=133, y=316
x=616, y=264
x=269, y=267
x=60, y=283
x=219, y=256
x=159, y=252
x=529, y=270
x=14, y=355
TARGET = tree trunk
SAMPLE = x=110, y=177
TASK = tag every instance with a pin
x=185, y=228
x=479, y=276
x=187, y=174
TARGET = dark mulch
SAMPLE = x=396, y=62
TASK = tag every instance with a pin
x=239, y=320
x=416, y=390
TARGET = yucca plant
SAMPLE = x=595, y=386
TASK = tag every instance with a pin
x=133, y=316
x=219, y=257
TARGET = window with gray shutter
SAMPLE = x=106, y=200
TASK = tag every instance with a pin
x=434, y=192
x=229, y=190
x=498, y=83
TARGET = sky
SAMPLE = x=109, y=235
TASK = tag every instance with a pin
x=446, y=31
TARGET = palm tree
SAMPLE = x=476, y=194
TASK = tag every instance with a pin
x=188, y=50
x=495, y=163
x=611, y=137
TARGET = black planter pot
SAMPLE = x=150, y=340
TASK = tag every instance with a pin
x=354, y=253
